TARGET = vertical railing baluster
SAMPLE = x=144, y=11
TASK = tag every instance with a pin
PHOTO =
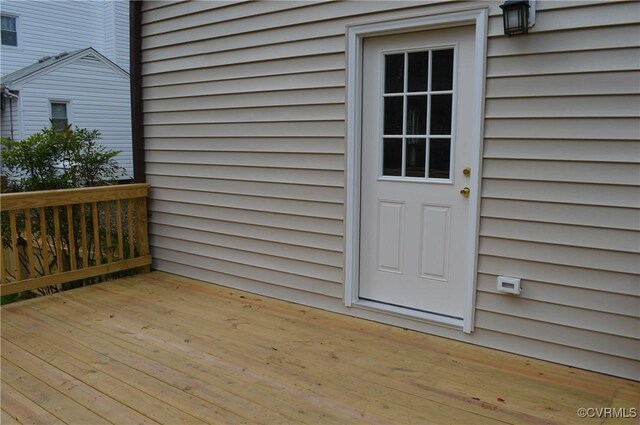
x=132, y=253
x=96, y=232
x=72, y=238
x=44, y=241
x=119, y=228
x=29, y=235
x=3, y=269
x=58, y=239
x=3, y=266
x=14, y=244
x=83, y=234
x=107, y=227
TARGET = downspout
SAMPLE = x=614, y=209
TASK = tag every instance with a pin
x=10, y=95
x=135, y=78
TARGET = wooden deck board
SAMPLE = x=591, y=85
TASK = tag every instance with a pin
x=53, y=401
x=66, y=383
x=159, y=348
x=22, y=409
x=266, y=352
x=7, y=419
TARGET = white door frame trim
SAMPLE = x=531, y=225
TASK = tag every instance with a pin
x=355, y=38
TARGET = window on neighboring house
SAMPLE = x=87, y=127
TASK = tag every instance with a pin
x=9, y=28
x=59, y=116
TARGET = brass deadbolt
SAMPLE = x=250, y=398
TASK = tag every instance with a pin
x=467, y=171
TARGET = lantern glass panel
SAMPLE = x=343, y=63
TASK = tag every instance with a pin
x=513, y=19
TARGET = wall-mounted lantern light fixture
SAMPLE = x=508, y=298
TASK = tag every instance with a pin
x=518, y=16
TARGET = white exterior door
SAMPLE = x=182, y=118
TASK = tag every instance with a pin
x=417, y=91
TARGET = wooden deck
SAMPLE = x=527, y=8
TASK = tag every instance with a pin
x=158, y=348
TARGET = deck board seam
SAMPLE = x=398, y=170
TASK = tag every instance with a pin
x=97, y=336
x=96, y=333
x=439, y=402
x=421, y=378
x=76, y=378
x=51, y=388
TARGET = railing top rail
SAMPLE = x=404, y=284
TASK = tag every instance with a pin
x=52, y=198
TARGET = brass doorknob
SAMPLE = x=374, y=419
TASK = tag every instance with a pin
x=465, y=191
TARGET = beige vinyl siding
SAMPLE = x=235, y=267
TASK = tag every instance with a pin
x=607, y=151
x=253, y=203
x=310, y=177
x=268, y=190
x=245, y=124
x=600, y=83
x=564, y=107
x=311, y=227
x=190, y=261
x=232, y=73
x=330, y=244
x=561, y=178
x=278, y=259
x=287, y=144
x=262, y=85
x=579, y=215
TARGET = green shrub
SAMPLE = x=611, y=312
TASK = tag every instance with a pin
x=58, y=159
x=55, y=159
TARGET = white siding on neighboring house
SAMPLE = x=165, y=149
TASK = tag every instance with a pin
x=73, y=22
x=47, y=28
x=116, y=32
x=244, y=113
x=98, y=98
x=108, y=22
x=98, y=95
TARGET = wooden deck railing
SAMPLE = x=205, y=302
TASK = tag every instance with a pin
x=60, y=236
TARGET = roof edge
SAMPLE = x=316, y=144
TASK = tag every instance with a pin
x=59, y=63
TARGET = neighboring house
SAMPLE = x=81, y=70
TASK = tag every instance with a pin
x=393, y=160
x=67, y=62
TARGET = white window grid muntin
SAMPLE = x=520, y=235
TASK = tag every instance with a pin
x=405, y=94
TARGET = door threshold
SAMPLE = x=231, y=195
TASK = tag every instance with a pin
x=410, y=313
